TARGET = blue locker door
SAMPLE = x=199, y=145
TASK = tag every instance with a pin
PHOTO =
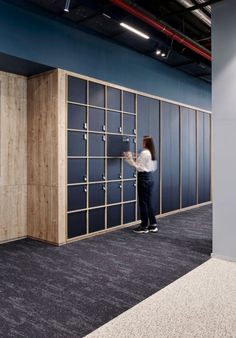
x=77, y=117
x=204, y=158
x=170, y=157
x=96, y=194
x=114, y=122
x=96, y=219
x=189, y=157
x=77, y=143
x=113, y=169
x=129, y=190
x=129, y=124
x=77, y=90
x=96, y=145
x=96, y=94
x=129, y=102
x=96, y=119
x=96, y=169
x=128, y=212
x=114, y=216
x=77, y=170
x=114, y=192
x=77, y=197
x=128, y=170
x=76, y=224
x=113, y=98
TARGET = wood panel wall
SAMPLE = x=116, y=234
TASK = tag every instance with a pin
x=13, y=156
x=45, y=169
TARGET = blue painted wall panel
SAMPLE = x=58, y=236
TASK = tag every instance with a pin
x=41, y=39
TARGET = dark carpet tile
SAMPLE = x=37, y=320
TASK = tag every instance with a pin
x=69, y=291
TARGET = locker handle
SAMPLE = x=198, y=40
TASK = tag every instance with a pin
x=135, y=175
x=85, y=178
x=120, y=176
x=134, y=184
x=104, y=188
x=120, y=129
x=104, y=127
x=134, y=131
x=85, y=137
x=134, y=140
x=103, y=177
x=120, y=186
x=85, y=189
x=85, y=125
x=104, y=138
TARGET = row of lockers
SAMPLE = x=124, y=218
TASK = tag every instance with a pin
x=99, y=169
x=95, y=119
x=100, y=194
x=95, y=94
x=182, y=137
x=97, y=144
x=84, y=222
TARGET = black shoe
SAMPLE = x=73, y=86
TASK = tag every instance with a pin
x=140, y=230
x=153, y=228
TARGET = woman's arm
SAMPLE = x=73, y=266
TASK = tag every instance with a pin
x=138, y=164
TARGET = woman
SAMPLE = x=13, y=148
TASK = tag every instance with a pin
x=145, y=165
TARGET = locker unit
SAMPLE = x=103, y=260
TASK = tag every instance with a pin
x=101, y=185
x=104, y=118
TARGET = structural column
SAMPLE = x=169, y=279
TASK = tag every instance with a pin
x=224, y=129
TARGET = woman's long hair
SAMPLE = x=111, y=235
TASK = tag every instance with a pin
x=148, y=144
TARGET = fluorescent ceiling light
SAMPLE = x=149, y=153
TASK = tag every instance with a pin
x=106, y=15
x=134, y=30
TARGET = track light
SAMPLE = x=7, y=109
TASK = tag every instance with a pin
x=67, y=6
x=134, y=30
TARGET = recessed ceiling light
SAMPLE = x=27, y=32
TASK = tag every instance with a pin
x=163, y=54
x=158, y=52
x=67, y=6
x=134, y=30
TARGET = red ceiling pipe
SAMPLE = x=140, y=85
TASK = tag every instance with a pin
x=164, y=29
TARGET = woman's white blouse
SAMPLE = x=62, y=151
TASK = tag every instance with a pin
x=144, y=162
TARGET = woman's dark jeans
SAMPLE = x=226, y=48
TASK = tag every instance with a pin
x=145, y=192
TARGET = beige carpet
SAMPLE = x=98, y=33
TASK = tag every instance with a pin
x=200, y=304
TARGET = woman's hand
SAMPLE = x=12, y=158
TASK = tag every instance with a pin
x=127, y=154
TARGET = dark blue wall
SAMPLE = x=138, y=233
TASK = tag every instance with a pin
x=41, y=39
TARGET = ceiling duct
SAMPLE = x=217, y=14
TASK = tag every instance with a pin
x=197, y=12
x=164, y=28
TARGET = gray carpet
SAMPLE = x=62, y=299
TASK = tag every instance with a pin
x=69, y=291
